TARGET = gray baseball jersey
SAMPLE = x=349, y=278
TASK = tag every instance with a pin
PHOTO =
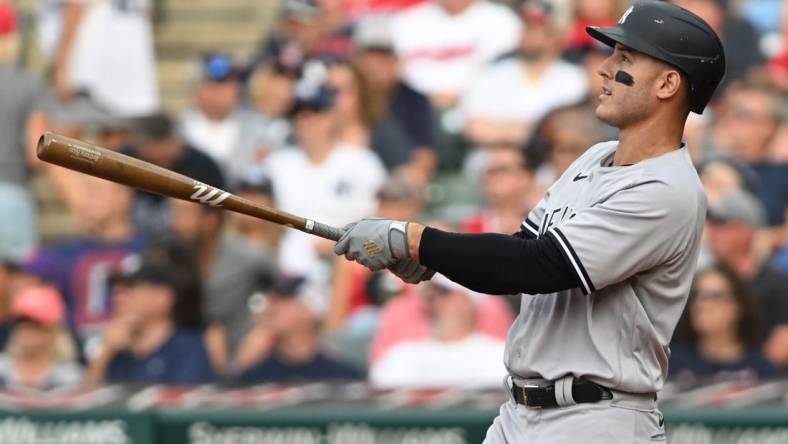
x=632, y=234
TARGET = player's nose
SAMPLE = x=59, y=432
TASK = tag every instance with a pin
x=604, y=69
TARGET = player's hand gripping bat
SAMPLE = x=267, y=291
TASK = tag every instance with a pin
x=110, y=165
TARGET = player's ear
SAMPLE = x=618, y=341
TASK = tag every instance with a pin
x=669, y=84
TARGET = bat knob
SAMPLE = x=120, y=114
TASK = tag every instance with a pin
x=43, y=144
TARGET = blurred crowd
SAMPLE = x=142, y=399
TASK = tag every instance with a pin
x=457, y=113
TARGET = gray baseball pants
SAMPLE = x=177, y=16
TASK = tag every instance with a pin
x=622, y=420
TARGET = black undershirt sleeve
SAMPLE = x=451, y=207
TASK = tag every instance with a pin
x=498, y=263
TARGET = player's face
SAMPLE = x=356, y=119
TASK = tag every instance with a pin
x=622, y=105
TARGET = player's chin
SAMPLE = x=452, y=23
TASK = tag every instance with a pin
x=606, y=113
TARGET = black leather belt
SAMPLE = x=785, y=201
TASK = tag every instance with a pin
x=544, y=396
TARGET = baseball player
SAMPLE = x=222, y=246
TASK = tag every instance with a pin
x=605, y=260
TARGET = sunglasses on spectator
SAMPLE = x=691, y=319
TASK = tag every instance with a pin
x=745, y=114
x=718, y=295
x=499, y=169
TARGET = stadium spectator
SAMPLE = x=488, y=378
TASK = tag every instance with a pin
x=508, y=190
x=79, y=268
x=738, y=36
x=401, y=107
x=271, y=89
x=513, y=95
x=440, y=360
x=307, y=29
x=105, y=53
x=323, y=178
x=231, y=270
x=445, y=44
x=154, y=140
x=721, y=338
x=397, y=200
x=748, y=124
x=256, y=186
x=152, y=337
x=40, y=354
x=22, y=120
x=731, y=234
x=294, y=329
x=564, y=135
x=217, y=124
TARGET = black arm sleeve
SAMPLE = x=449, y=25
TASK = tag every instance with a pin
x=498, y=263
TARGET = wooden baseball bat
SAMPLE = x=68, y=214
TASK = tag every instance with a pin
x=116, y=167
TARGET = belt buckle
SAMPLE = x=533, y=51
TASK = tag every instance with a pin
x=525, y=395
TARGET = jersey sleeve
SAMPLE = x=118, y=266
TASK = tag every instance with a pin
x=529, y=229
x=632, y=231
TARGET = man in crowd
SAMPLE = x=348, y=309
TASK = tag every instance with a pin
x=80, y=268
x=154, y=140
x=218, y=125
x=438, y=360
x=445, y=44
x=152, y=337
x=734, y=221
x=231, y=270
x=513, y=95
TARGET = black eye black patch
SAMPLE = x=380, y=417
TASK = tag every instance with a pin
x=625, y=78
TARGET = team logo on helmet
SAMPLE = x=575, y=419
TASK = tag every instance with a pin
x=626, y=14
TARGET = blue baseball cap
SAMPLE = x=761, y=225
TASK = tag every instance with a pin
x=218, y=67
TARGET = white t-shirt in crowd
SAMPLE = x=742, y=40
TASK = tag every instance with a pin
x=218, y=139
x=475, y=361
x=505, y=93
x=338, y=191
x=442, y=53
x=113, y=57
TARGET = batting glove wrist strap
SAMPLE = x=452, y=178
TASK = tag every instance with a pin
x=398, y=239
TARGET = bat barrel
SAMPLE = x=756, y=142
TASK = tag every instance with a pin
x=110, y=165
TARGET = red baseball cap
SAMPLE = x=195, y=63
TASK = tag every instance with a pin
x=8, y=22
x=39, y=303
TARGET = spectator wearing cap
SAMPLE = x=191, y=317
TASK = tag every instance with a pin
x=323, y=178
x=440, y=360
x=445, y=44
x=154, y=140
x=718, y=336
x=39, y=354
x=152, y=337
x=22, y=119
x=255, y=185
x=399, y=105
x=513, y=95
x=79, y=267
x=104, y=51
x=307, y=29
x=293, y=329
x=231, y=271
x=732, y=227
x=217, y=124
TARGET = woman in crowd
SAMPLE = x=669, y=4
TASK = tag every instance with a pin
x=40, y=354
x=720, y=337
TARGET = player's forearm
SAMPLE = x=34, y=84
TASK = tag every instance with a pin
x=493, y=263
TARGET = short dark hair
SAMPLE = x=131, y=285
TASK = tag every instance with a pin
x=154, y=127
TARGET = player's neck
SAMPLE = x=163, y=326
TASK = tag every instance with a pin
x=647, y=139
